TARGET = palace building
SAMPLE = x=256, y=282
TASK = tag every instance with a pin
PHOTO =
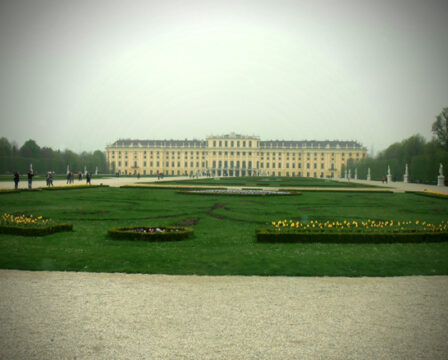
x=233, y=155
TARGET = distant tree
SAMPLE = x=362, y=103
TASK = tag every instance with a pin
x=15, y=148
x=440, y=128
x=30, y=149
x=5, y=147
x=46, y=152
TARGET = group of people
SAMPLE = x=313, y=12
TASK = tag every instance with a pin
x=49, y=178
x=71, y=177
x=30, y=175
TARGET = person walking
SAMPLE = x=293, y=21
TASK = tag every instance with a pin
x=68, y=177
x=30, y=179
x=16, y=180
x=88, y=178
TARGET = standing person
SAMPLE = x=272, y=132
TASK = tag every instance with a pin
x=47, y=177
x=88, y=178
x=68, y=177
x=50, y=178
x=16, y=180
x=30, y=179
x=382, y=179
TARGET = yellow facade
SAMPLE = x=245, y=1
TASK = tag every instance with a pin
x=233, y=155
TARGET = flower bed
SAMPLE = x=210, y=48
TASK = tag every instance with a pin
x=151, y=233
x=369, y=231
x=238, y=192
x=30, y=225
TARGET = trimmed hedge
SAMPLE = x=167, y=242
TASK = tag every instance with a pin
x=432, y=195
x=124, y=233
x=35, y=231
x=73, y=187
x=347, y=190
x=170, y=187
x=190, y=192
x=272, y=236
x=10, y=191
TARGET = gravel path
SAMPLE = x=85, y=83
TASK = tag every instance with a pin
x=62, y=315
x=120, y=181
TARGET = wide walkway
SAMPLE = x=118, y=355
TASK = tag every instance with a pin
x=114, y=181
x=63, y=315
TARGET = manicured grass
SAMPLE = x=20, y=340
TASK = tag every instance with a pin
x=224, y=238
x=250, y=181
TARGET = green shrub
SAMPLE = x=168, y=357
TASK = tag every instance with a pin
x=173, y=233
x=35, y=231
x=273, y=236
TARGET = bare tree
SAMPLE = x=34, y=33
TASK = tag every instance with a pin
x=440, y=128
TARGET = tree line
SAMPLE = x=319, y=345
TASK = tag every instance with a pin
x=44, y=159
x=423, y=158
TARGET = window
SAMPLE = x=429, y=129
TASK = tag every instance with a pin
x=214, y=143
x=144, y=163
x=125, y=163
x=322, y=165
x=315, y=165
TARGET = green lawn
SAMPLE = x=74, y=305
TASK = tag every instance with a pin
x=224, y=241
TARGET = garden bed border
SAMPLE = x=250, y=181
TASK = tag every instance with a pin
x=273, y=236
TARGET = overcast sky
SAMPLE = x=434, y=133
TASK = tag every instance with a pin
x=82, y=74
